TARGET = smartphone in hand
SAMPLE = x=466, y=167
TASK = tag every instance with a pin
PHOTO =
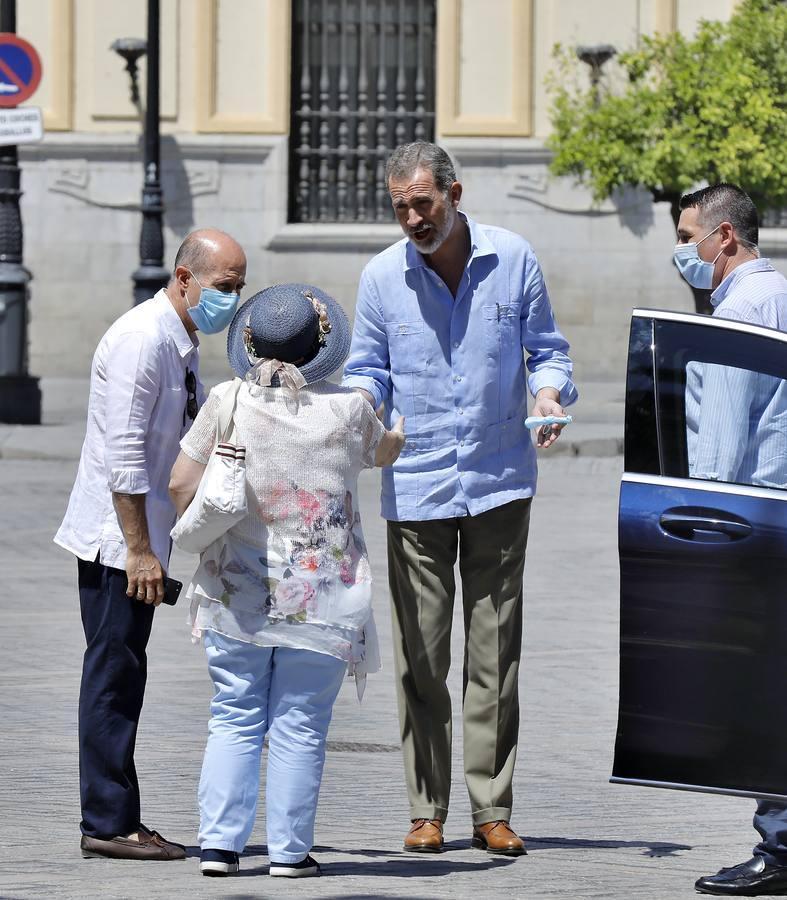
x=172, y=589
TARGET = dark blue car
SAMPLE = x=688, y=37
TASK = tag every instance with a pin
x=703, y=557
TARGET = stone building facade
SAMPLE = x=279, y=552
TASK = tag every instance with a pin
x=230, y=99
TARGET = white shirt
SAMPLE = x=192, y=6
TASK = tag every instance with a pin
x=295, y=572
x=135, y=419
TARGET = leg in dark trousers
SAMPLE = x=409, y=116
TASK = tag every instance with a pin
x=114, y=672
x=771, y=822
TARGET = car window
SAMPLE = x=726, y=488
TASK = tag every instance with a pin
x=721, y=399
x=736, y=425
x=641, y=435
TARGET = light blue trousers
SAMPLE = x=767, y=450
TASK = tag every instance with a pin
x=288, y=694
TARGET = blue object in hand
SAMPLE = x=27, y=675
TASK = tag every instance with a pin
x=538, y=421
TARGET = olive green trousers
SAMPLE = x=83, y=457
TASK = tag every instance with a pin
x=421, y=559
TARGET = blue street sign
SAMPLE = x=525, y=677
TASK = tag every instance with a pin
x=20, y=70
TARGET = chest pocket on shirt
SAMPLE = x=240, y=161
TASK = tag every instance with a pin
x=501, y=328
x=406, y=347
x=170, y=411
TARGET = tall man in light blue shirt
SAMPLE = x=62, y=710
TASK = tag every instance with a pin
x=442, y=319
x=736, y=431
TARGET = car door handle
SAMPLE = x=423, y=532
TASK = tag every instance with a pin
x=687, y=526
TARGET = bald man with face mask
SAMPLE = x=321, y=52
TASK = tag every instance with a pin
x=144, y=394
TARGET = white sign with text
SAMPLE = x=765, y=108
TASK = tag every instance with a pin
x=21, y=125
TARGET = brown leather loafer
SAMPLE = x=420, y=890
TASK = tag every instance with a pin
x=151, y=833
x=149, y=846
x=498, y=837
x=425, y=836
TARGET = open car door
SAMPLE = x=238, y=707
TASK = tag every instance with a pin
x=703, y=558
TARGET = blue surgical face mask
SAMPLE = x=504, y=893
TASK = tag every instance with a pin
x=696, y=271
x=214, y=310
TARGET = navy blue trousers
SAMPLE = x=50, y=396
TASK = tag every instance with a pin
x=771, y=822
x=114, y=672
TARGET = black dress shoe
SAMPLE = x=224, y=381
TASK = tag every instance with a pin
x=750, y=879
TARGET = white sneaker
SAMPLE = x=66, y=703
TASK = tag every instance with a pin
x=303, y=869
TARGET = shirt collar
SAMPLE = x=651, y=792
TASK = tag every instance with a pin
x=479, y=246
x=747, y=268
x=185, y=342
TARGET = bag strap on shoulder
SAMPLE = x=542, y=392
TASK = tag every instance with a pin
x=225, y=425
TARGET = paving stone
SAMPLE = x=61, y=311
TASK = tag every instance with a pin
x=587, y=838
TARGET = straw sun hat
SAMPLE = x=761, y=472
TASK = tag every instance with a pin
x=293, y=323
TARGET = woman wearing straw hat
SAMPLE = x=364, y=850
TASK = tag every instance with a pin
x=283, y=599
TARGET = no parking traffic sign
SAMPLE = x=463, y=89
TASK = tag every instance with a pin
x=20, y=69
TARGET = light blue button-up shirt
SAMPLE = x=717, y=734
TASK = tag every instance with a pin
x=736, y=419
x=454, y=367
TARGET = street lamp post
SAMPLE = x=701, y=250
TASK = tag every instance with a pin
x=595, y=56
x=20, y=395
x=151, y=274
x=130, y=49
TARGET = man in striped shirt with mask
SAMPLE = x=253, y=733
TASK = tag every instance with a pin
x=726, y=411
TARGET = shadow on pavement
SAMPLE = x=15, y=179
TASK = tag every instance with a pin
x=650, y=848
x=433, y=866
x=386, y=863
x=262, y=850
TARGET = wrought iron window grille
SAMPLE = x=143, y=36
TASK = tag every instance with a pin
x=363, y=83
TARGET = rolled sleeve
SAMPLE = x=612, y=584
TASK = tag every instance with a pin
x=554, y=378
x=548, y=361
x=368, y=366
x=128, y=481
x=132, y=389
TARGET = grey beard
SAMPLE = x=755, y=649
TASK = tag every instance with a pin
x=438, y=238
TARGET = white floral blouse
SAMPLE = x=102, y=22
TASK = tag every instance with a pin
x=294, y=572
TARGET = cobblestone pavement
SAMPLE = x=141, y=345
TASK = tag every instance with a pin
x=587, y=838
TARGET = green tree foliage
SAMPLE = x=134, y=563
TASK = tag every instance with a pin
x=704, y=109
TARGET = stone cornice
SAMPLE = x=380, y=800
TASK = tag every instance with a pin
x=497, y=151
x=330, y=236
x=82, y=145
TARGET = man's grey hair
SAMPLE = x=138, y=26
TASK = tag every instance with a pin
x=725, y=203
x=408, y=158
